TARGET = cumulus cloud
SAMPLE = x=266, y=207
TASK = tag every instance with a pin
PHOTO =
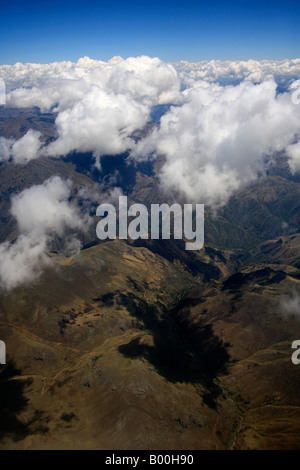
x=21, y=261
x=60, y=85
x=290, y=304
x=215, y=139
x=218, y=140
x=226, y=71
x=42, y=212
x=100, y=122
x=100, y=104
x=21, y=150
x=293, y=152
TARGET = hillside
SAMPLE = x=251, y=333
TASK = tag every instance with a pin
x=142, y=344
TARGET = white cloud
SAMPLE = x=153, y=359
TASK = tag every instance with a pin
x=5, y=148
x=293, y=151
x=42, y=211
x=22, y=261
x=22, y=150
x=62, y=84
x=217, y=141
x=45, y=208
x=290, y=304
x=214, y=140
x=100, y=122
x=252, y=70
x=100, y=104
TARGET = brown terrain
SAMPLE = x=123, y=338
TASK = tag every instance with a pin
x=143, y=345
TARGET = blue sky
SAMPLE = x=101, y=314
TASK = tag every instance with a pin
x=188, y=30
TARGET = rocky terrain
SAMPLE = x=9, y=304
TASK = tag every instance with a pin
x=143, y=345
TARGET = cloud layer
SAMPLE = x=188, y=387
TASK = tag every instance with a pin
x=60, y=85
x=42, y=212
x=100, y=104
x=219, y=139
x=214, y=140
x=23, y=150
x=227, y=71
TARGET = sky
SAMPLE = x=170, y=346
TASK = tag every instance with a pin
x=189, y=30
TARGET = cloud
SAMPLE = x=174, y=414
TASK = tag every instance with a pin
x=42, y=212
x=22, y=261
x=218, y=140
x=100, y=104
x=214, y=140
x=293, y=152
x=58, y=86
x=22, y=150
x=226, y=71
x=45, y=208
x=100, y=122
x=290, y=304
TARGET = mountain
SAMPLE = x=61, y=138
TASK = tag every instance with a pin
x=142, y=344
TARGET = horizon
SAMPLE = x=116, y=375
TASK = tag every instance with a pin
x=179, y=61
